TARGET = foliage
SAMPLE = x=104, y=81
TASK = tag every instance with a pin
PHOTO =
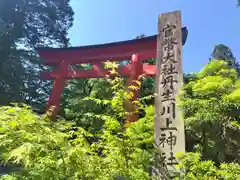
x=210, y=105
x=48, y=150
x=56, y=150
x=192, y=168
x=74, y=106
x=25, y=25
x=30, y=141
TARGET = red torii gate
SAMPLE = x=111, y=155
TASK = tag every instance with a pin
x=137, y=50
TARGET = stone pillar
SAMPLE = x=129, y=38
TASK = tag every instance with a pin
x=169, y=127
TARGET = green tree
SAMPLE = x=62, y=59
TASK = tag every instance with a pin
x=74, y=106
x=24, y=26
x=192, y=168
x=210, y=103
x=42, y=150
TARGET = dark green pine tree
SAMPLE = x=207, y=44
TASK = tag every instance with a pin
x=223, y=52
x=24, y=26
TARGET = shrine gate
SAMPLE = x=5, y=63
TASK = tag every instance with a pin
x=135, y=50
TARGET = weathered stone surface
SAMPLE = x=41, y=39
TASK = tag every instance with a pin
x=169, y=127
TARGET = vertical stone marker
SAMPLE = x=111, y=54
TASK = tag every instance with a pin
x=169, y=127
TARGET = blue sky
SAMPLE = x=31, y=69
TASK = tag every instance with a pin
x=209, y=22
